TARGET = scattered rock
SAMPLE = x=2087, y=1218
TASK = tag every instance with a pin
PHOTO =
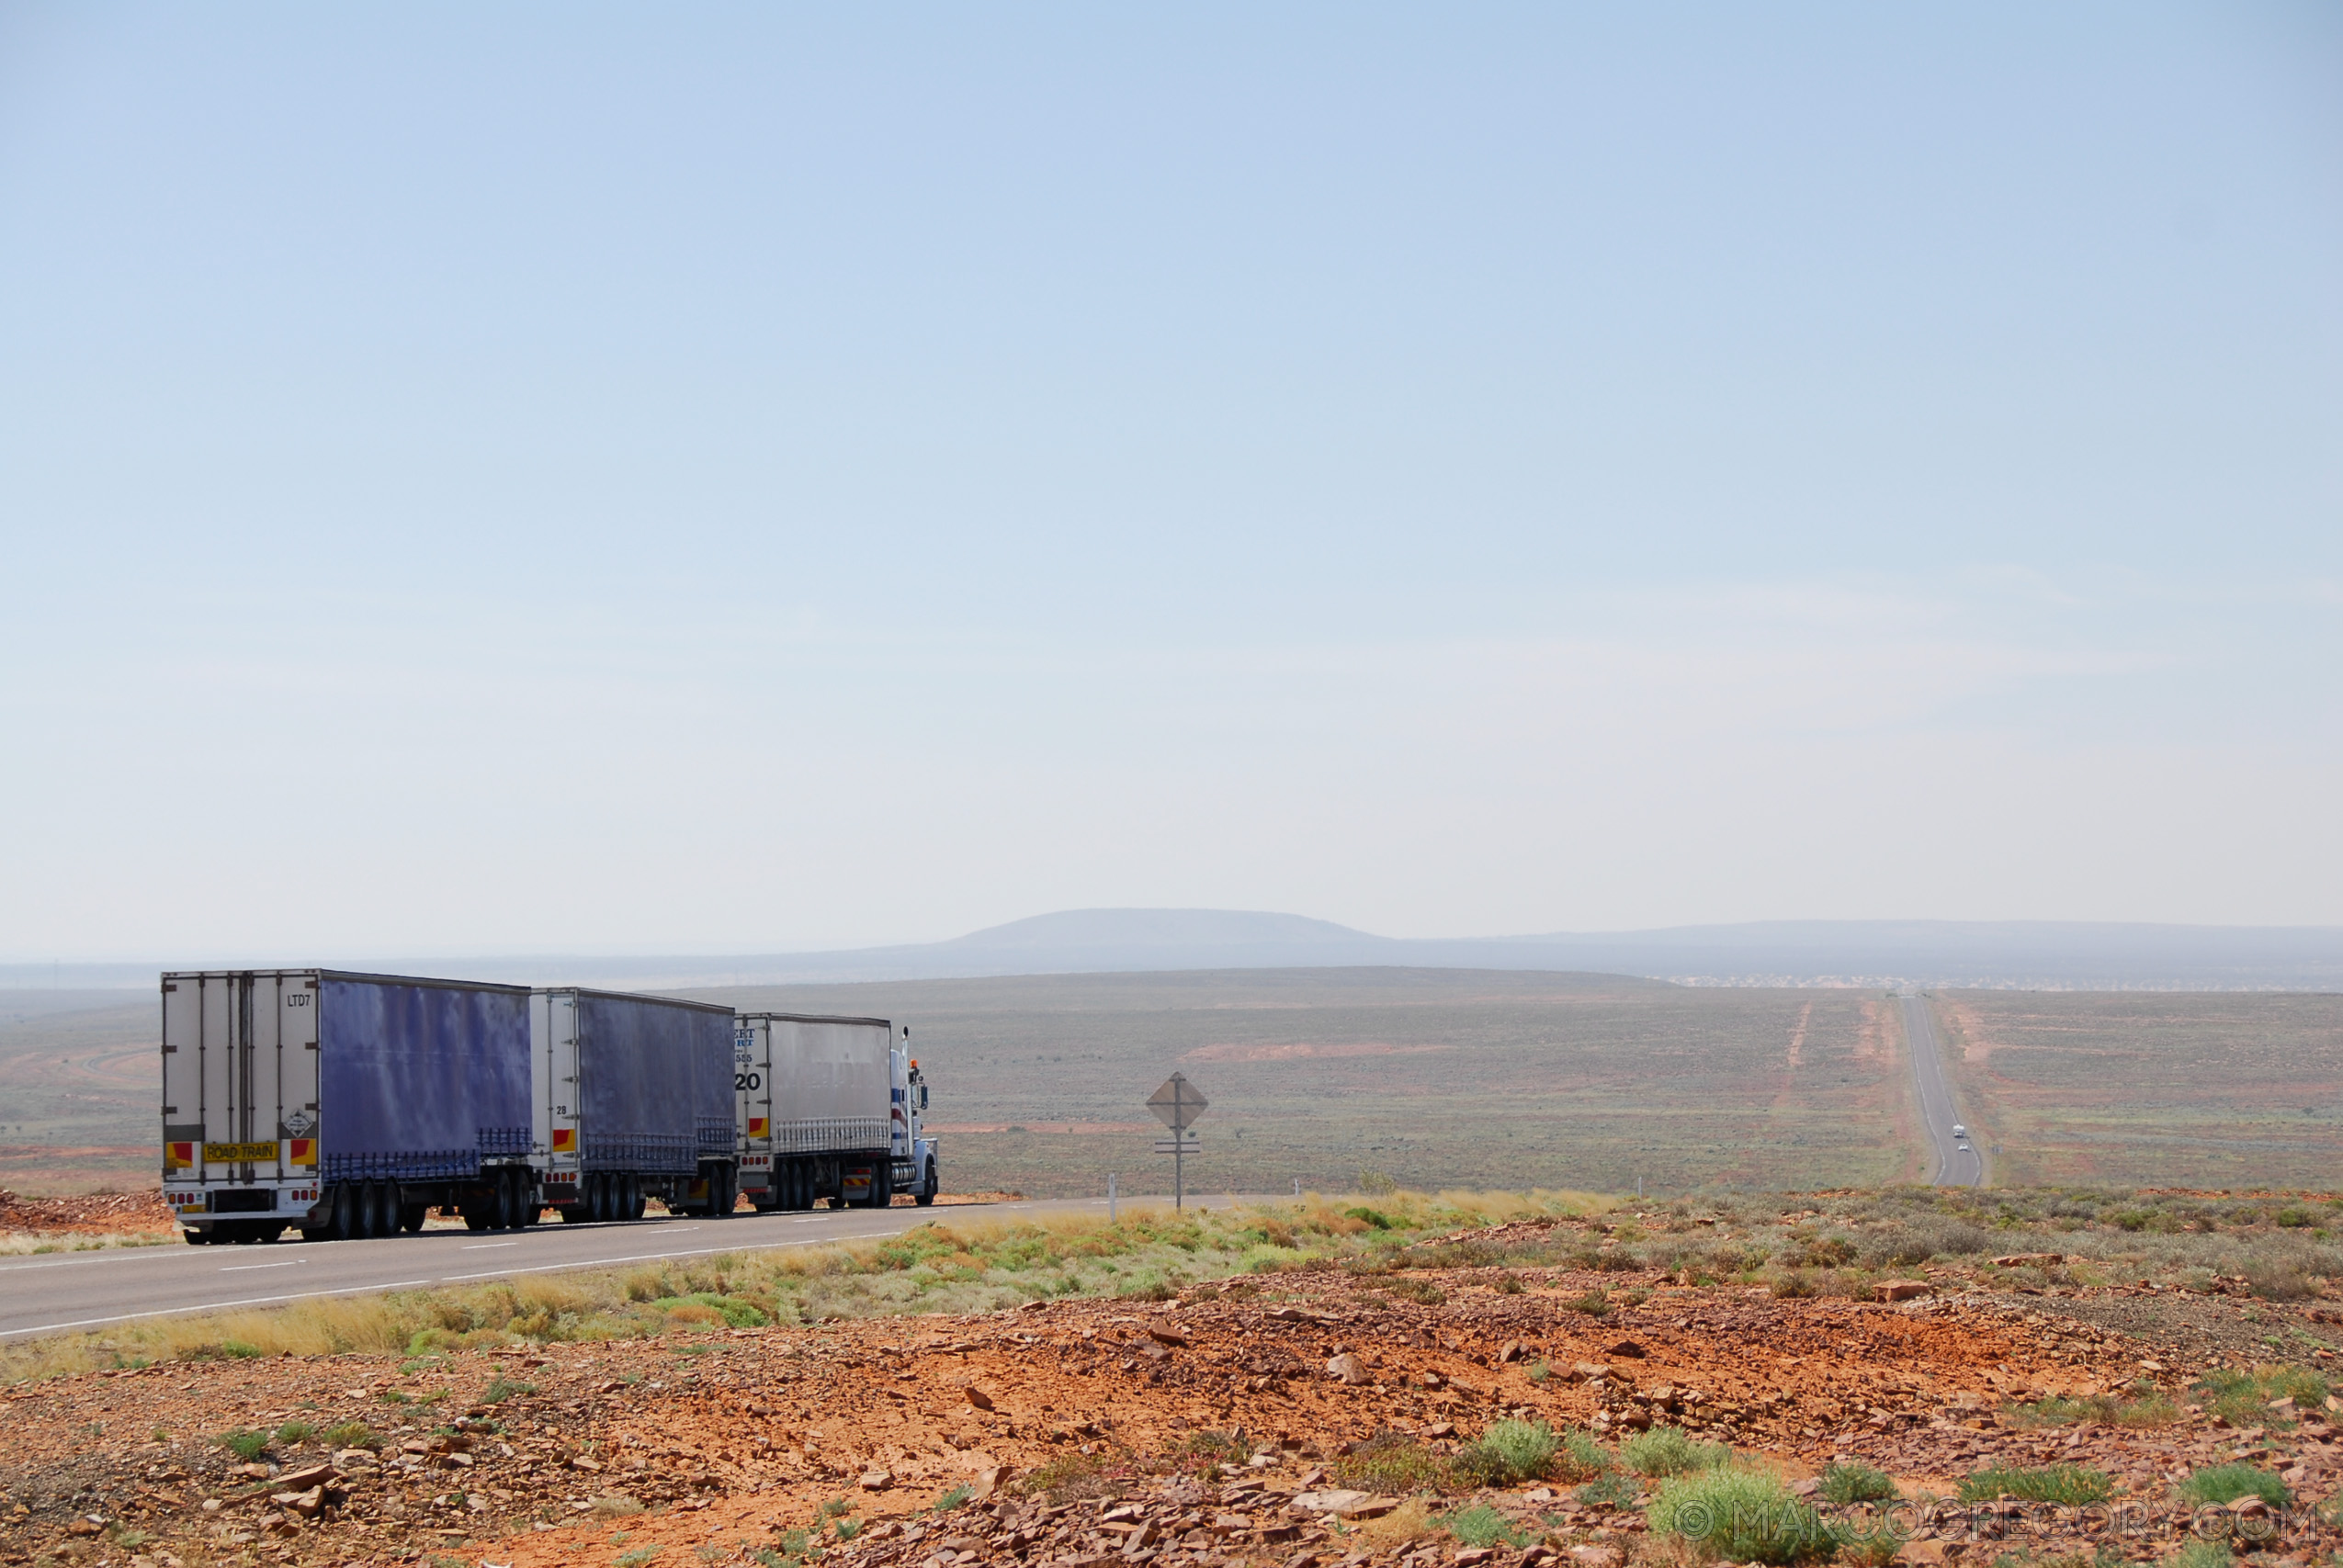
x=1902, y=1290
x=1347, y=1368
x=1345, y=1504
x=1627, y=1349
x=309, y=1504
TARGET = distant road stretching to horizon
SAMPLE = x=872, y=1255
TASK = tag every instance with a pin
x=1949, y=1163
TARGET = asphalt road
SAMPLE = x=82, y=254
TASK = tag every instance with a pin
x=1951, y=1162
x=49, y=1293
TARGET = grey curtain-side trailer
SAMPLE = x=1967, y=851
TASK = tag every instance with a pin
x=344, y=1104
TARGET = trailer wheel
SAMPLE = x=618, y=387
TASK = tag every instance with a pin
x=343, y=1223
x=636, y=1197
x=382, y=1209
x=412, y=1217
x=926, y=1196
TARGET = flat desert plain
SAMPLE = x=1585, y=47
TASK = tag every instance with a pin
x=1434, y=1077
x=2201, y=1090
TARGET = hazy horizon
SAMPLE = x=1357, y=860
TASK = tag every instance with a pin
x=1221, y=943
x=572, y=480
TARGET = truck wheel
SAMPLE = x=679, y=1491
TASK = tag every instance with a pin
x=343, y=1223
x=412, y=1215
x=377, y=1205
x=926, y=1198
x=531, y=1203
x=636, y=1197
x=503, y=1204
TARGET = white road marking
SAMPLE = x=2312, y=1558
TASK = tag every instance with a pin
x=485, y=1245
x=107, y=1255
x=212, y=1306
x=241, y=1268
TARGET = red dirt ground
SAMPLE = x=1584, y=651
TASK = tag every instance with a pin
x=711, y=1446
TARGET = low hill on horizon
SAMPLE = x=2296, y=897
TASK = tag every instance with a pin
x=1875, y=954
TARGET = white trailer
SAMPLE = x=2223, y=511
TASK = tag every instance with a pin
x=829, y=1108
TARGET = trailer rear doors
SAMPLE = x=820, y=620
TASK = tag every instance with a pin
x=240, y=1102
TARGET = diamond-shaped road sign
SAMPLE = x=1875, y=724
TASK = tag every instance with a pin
x=1176, y=1104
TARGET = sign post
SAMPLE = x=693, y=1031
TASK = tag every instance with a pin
x=1177, y=1105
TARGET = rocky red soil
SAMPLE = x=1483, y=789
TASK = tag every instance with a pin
x=95, y=1213
x=713, y=1448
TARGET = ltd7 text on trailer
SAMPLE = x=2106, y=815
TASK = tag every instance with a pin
x=829, y=1108
x=345, y=1104
x=632, y=1100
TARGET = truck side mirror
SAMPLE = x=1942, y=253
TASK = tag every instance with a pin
x=922, y=1097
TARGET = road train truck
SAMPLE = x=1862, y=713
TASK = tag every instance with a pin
x=829, y=1108
x=632, y=1100
x=343, y=1104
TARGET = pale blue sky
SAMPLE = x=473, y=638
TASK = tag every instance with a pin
x=519, y=478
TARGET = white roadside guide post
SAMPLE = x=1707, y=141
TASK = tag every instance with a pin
x=1177, y=1105
x=1110, y=1196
